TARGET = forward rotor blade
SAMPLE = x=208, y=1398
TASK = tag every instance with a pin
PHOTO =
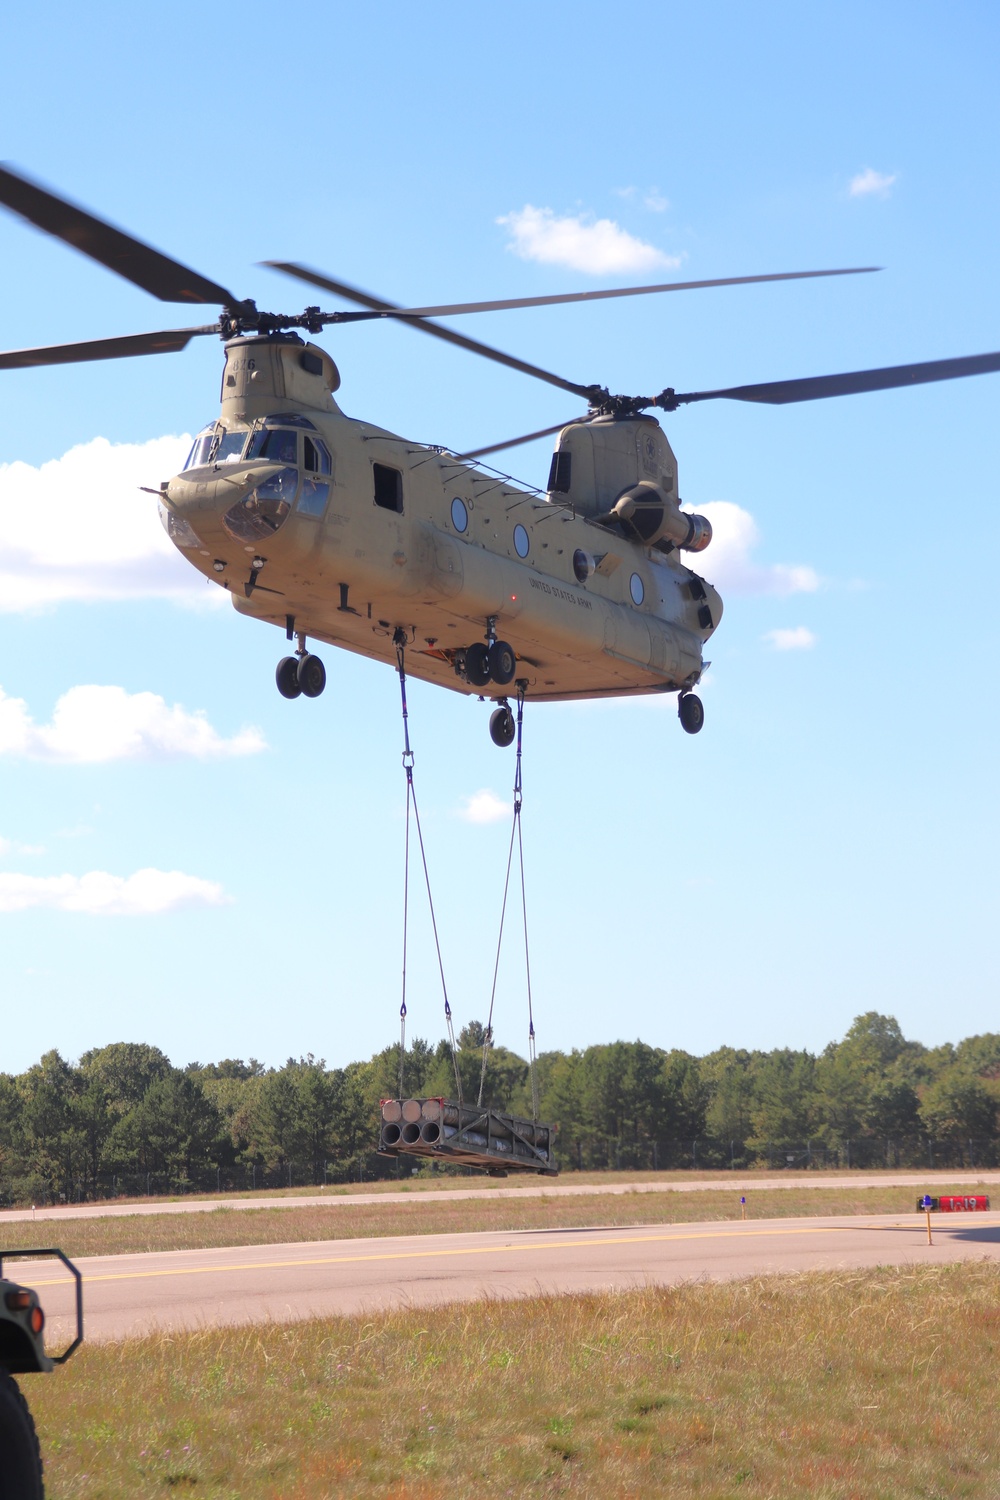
x=516, y=442
x=142, y=265
x=818, y=387
x=454, y=308
x=413, y=320
x=168, y=342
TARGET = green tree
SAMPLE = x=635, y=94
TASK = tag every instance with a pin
x=174, y=1132
x=783, y=1115
x=126, y=1070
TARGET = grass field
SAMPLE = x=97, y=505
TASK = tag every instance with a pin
x=839, y=1386
x=264, y=1226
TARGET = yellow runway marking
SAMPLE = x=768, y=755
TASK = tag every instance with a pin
x=440, y=1254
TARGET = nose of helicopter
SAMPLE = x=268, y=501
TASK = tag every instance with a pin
x=213, y=488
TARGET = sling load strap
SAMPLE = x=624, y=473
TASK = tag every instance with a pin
x=411, y=802
x=515, y=831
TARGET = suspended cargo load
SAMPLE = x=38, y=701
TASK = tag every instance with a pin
x=467, y=1135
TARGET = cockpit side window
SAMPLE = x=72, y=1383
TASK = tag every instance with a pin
x=317, y=457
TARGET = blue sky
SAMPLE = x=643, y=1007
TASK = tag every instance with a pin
x=827, y=844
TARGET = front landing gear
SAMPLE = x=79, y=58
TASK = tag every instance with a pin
x=287, y=677
x=487, y=661
x=691, y=712
x=302, y=673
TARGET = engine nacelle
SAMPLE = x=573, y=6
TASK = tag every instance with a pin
x=650, y=516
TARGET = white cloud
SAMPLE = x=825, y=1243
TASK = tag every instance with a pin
x=729, y=561
x=79, y=527
x=91, y=724
x=652, y=198
x=599, y=247
x=484, y=806
x=11, y=846
x=146, y=893
x=796, y=638
x=869, y=183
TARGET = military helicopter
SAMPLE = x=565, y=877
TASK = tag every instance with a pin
x=337, y=530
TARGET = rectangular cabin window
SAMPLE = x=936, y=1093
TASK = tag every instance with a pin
x=559, y=472
x=388, y=488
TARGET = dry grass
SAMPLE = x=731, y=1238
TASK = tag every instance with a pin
x=445, y=1178
x=266, y=1226
x=840, y=1386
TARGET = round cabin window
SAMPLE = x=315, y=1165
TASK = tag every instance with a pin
x=459, y=515
x=637, y=590
x=521, y=542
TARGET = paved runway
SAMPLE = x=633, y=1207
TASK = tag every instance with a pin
x=134, y=1294
x=338, y=1198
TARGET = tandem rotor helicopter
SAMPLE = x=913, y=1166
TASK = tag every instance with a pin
x=336, y=530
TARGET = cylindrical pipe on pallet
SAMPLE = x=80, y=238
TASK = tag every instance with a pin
x=430, y=1131
x=411, y=1110
x=473, y=1137
x=451, y=1114
x=411, y=1133
x=392, y=1110
x=431, y=1109
x=390, y=1134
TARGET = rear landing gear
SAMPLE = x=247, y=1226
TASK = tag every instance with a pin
x=302, y=673
x=691, y=712
x=502, y=727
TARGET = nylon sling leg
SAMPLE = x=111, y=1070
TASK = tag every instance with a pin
x=411, y=801
x=515, y=831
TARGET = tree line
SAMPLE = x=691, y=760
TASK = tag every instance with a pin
x=125, y=1120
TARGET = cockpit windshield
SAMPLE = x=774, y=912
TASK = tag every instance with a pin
x=274, y=444
x=269, y=439
x=230, y=448
x=214, y=445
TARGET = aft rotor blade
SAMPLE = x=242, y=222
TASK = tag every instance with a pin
x=168, y=342
x=142, y=265
x=818, y=387
x=454, y=308
x=414, y=320
x=516, y=442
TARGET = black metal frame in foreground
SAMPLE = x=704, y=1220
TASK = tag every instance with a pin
x=466, y=1135
x=29, y=1254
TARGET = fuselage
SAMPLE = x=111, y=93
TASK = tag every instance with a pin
x=337, y=530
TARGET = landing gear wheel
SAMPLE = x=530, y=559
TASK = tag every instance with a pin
x=503, y=663
x=477, y=664
x=288, y=683
x=691, y=712
x=502, y=726
x=22, y=1461
x=310, y=674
